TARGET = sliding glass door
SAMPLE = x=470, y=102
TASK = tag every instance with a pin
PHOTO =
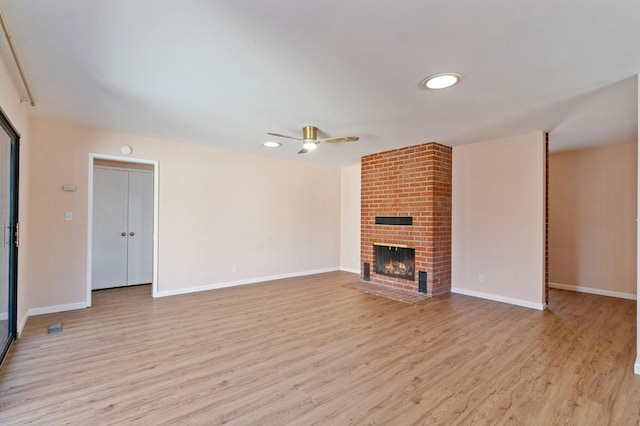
x=9, y=145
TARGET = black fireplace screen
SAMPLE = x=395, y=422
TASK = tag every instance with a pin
x=395, y=261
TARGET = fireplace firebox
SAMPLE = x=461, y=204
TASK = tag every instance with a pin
x=395, y=260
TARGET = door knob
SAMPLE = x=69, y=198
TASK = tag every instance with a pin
x=132, y=233
x=124, y=234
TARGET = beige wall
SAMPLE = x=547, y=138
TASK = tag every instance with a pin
x=350, y=219
x=217, y=209
x=498, y=219
x=592, y=219
x=17, y=113
x=122, y=164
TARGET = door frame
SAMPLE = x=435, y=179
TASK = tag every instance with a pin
x=156, y=209
x=14, y=239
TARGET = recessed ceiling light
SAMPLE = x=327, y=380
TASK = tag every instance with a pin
x=441, y=80
x=271, y=144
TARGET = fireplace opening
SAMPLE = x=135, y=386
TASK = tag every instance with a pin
x=395, y=261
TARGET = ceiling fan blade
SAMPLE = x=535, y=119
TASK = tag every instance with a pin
x=302, y=151
x=334, y=140
x=283, y=136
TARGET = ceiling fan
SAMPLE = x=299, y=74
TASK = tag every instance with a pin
x=310, y=139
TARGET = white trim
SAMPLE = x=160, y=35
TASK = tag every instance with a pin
x=216, y=286
x=496, y=298
x=597, y=291
x=156, y=210
x=56, y=308
x=22, y=324
x=352, y=270
x=156, y=225
x=636, y=367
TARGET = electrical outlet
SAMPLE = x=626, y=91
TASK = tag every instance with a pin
x=481, y=278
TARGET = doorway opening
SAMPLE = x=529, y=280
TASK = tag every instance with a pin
x=122, y=246
x=592, y=210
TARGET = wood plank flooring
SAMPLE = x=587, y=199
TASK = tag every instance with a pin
x=308, y=351
x=394, y=293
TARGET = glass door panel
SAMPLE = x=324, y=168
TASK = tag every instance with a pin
x=5, y=237
x=9, y=154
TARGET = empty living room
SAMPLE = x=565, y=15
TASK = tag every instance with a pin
x=297, y=213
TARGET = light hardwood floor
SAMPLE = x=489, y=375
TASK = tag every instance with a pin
x=308, y=351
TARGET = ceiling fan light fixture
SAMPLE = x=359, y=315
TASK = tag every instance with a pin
x=310, y=139
x=441, y=80
x=271, y=144
x=309, y=145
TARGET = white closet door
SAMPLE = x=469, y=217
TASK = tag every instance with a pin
x=140, y=232
x=110, y=206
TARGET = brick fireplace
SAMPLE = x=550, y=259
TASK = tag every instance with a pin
x=407, y=192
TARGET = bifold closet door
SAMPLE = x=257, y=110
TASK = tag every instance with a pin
x=140, y=229
x=122, y=228
x=110, y=216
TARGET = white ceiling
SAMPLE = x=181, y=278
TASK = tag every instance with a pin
x=224, y=73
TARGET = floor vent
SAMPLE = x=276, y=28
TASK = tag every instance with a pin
x=56, y=327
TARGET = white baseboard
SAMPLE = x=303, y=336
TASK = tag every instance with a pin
x=496, y=298
x=177, y=291
x=22, y=324
x=56, y=308
x=636, y=367
x=352, y=270
x=597, y=291
x=48, y=310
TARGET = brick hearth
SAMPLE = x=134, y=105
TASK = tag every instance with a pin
x=413, y=181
